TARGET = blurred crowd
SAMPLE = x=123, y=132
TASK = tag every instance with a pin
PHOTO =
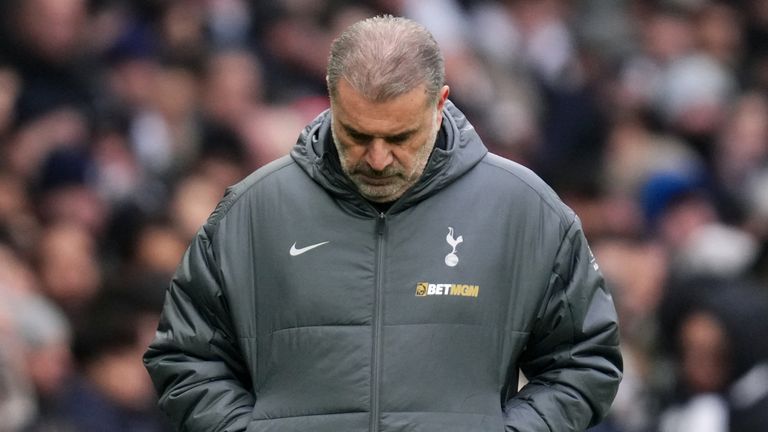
x=122, y=122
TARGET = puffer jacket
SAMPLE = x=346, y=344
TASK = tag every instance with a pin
x=299, y=307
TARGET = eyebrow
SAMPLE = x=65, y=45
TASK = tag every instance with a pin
x=398, y=136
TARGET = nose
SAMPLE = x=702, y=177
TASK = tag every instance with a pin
x=379, y=155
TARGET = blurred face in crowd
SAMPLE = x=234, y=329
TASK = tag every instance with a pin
x=384, y=146
x=119, y=373
x=704, y=353
x=49, y=366
x=159, y=248
x=53, y=28
x=233, y=86
x=68, y=266
x=193, y=201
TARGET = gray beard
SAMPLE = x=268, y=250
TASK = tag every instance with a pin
x=401, y=180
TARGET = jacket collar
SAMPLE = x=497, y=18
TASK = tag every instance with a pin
x=315, y=153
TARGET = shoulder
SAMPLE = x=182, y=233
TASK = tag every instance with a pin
x=526, y=185
x=274, y=172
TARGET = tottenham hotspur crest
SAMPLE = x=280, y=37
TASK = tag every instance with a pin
x=452, y=259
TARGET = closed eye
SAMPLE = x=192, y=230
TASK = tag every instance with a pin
x=396, y=139
x=363, y=138
x=356, y=136
x=359, y=137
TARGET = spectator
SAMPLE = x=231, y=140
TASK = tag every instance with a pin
x=68, y=267
x=111, y=391
x=723, y=371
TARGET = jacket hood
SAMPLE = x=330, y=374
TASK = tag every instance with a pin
x=315, y=153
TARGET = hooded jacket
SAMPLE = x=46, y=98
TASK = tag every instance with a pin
x=299, y=307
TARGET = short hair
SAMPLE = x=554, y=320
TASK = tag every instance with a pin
x=384, y=57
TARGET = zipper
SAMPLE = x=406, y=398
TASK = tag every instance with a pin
x=381, y=225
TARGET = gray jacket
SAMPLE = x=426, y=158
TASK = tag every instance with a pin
x=299, y=307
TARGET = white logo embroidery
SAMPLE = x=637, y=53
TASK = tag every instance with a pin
x=297, y=252
x=592, y=259
x=451, y=259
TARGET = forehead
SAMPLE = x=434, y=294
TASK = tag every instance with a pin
x=404, y=112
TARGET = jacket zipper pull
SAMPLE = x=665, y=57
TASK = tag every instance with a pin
x=381, y=223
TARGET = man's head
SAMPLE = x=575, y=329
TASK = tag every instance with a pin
x=385, y=80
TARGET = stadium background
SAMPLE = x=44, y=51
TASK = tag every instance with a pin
x=122, y=122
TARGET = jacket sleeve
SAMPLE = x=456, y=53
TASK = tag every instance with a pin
x=194, y=360
x=572, y=360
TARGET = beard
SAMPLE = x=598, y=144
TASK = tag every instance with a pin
x=390, y=183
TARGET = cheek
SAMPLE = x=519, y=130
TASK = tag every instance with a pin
x=405, y=157
x=351, y=155
x=415, y=153
x=356, y=152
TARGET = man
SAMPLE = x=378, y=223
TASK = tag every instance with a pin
x=390, y=275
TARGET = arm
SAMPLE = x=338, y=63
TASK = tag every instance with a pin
x=572, y=359
x=194, y=361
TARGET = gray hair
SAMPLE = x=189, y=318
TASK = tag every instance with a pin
x=384, y=57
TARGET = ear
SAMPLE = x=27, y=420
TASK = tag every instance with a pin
x=443, y=96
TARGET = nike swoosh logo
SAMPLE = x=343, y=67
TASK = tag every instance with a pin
x=297, y=252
